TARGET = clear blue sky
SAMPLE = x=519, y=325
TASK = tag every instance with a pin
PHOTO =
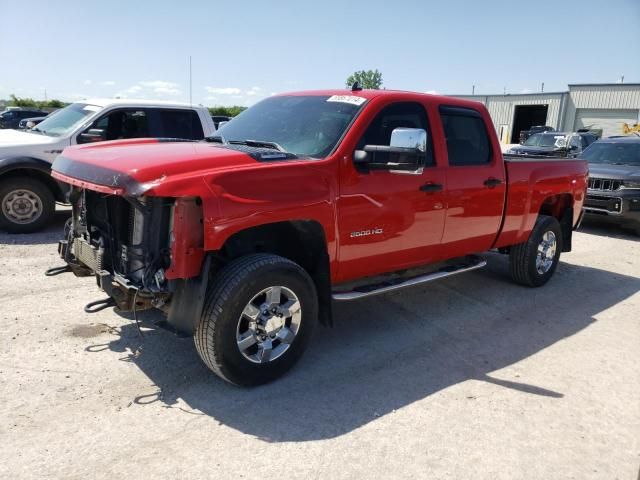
x=245, y=50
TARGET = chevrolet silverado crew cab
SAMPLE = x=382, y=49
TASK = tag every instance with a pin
x=28, y=194
x=244, y=240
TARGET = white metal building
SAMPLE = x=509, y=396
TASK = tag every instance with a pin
x=606, y=107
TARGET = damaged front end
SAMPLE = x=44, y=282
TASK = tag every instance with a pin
x=128, y=244
x=124, y=242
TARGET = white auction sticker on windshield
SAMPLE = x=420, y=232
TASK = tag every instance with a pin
x=352, y=99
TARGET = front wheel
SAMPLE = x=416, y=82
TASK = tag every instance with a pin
x=533, y=263
x=258, y=316
x=26, y=205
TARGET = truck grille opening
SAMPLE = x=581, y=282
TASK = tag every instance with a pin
x=604, y=184
x=114, y=235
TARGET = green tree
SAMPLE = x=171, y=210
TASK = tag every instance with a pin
x=21, y=102
x=370, y=79
x=227, y=111
x=30, y=102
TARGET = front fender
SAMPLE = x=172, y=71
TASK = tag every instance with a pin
x=21, y=162
x=35, y=167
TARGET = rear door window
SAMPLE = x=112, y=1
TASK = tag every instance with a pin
x=180, y=124
x=466, y=135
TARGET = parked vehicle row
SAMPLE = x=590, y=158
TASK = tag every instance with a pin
x=525, y=134
x=30, y=122
x=555, y=144
x=27, y=191
x=12, y=118
x=244, y=240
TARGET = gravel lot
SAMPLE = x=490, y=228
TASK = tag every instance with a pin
x=471, y=377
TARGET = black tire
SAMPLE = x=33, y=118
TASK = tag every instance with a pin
x=38, y=192
x=228, y=294
x=522, y=257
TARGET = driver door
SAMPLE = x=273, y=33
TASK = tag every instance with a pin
x=389, y=220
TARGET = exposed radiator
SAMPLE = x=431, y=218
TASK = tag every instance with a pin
x=88, y=254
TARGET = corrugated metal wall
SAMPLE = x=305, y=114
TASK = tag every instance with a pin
x=501, y=107
x=619, y=97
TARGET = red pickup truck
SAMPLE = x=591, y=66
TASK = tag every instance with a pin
x=244, y=240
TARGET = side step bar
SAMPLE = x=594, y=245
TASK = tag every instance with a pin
x=471, y=262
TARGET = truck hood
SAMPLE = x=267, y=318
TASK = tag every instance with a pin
x=15, y=138
x=614, y=172
x=132, y=167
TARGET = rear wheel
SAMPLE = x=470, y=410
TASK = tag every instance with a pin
x=258, y=316
x=26, y=205
x=533, y=263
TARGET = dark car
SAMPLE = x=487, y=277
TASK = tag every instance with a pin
x=11, y=118
x=555, y=144
x=614, y=180
x=219, y=118
x=524, y=134
x=30, y=122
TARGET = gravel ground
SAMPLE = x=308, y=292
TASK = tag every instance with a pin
x=471, y=377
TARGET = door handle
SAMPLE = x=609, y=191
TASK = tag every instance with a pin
x=431, y=187
x=492, y=182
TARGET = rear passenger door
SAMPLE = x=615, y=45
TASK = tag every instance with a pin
x=475, y=183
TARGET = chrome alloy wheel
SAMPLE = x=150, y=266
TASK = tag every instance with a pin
x=268, y=324
x=22, y=206
x=546, y=252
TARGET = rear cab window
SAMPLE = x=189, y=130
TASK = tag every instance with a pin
x=466, y=136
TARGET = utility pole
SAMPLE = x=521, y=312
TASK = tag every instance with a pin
x=473, y=89
x=504, y=90
x=542, y=89
x=45, y=94
x=622, y=79
x=190, y=83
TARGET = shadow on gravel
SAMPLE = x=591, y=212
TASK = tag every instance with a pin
x=386, y=352
x=51, y=234
x=607, y=228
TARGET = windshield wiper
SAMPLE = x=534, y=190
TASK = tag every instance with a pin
x=258, y=143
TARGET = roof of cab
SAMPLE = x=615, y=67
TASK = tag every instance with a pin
x=109, y=102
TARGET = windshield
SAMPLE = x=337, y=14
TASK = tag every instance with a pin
x=64, y=121
x=613, y=153
x=542, y=140
x=307, y=126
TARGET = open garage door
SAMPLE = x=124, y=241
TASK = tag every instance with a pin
x=610, y=121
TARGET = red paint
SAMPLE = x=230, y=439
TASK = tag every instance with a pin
x=238, y=192
x=187, y=243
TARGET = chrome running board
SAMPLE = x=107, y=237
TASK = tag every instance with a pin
x=472, y=262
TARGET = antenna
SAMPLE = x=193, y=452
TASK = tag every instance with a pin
x=542, y=89
x=356, y=86
x=622, y=79
x=190, y=83
x=473, y=89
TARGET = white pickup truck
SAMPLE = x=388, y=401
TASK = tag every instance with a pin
x=28, y=193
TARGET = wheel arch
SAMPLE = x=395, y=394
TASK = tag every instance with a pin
x=302, y=241
x=33, y=168
x=560, y=206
